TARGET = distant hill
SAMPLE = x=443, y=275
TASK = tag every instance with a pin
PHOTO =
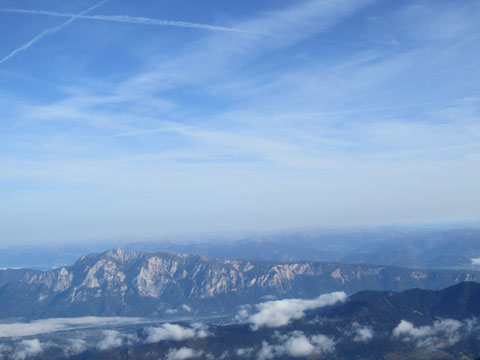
x=425, y=248
x=405, y=247
x=437, y=249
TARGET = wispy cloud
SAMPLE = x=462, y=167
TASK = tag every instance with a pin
x=129, y=19
x=279, y=123
x=44, y=326
x=50, y=31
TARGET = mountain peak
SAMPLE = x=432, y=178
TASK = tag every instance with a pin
x=121, y=255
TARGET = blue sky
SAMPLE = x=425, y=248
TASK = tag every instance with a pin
x=128, y=118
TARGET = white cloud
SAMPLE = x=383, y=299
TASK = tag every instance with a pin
x=476, y=261
x=186, y=308
x=471, y=325
x=27, y=348
x=21, y=329
x=50, y=31
x=280, y=312
x=296, y=344
x=76, y=347
x=323, y=344
x=183, y=353
x=175, y=332
x=441, y=334
x=283, y=137
x=127, y=19
x=245, y=352
x=266, y=352
x=114, y=339
x=362, y=333
x=201, y=329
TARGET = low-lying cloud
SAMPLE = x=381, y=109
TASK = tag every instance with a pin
x=77, y=346
x=244, y=352
x=476, y=261
x=22, y=329
x=297, y=344
x=439, y=335
x=361, y=333
x=279, y=313
x=186, y=308
x=27, y=349
x=114, y=339
x=175, y=332
x=24, y=349
x=183, y=354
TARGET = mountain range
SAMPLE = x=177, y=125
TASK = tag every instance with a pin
x=412, y=248
x=163, y=284
x=418, y=247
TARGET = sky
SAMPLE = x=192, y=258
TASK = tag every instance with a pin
x=157, y=117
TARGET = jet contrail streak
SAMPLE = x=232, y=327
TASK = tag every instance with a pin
x=129, y=19
x=50, y=31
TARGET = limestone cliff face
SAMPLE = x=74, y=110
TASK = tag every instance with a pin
x=120, y=282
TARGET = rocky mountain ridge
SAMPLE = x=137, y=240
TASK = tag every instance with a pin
x=131, y=283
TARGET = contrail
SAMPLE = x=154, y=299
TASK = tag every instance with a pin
x=129, y=19
x=50, y=31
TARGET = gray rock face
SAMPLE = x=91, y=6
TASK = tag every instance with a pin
x=9, y=275
x=119, y=282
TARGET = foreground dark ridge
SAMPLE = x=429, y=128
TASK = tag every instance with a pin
x=436, y=325
x=132, y=283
